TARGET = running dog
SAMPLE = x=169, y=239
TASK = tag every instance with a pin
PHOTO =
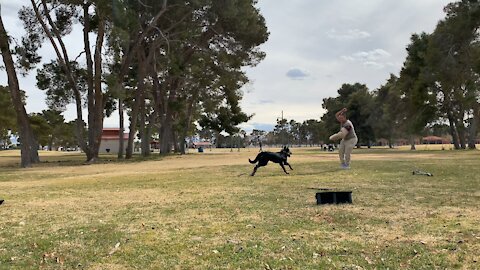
x=264, y=157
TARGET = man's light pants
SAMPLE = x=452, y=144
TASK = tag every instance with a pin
x=345, y=150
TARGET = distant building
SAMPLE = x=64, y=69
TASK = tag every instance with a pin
x=435, y=140
x=201, y=144
x=110, y=141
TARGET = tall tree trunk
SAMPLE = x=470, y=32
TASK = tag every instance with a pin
x=166, y=137
x=94, y=84
x=472, y=134
x=188, y=122
x=182, y=140
x=460, y=124
x=473, y=129
x=121, y=144
x=90, y=84
x=159, y=98
x=461, y=135
x=29, y=145
x=50, y=144
x=145, y=130
x=98, y=111
x=175, y=141
x=412, y=142
x=453, y=131
x=146, y=142
x=166, y=133
x=139, y=96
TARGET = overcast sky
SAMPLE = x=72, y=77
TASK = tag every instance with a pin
x=314, y=47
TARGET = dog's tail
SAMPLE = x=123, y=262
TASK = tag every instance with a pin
x=255, y=160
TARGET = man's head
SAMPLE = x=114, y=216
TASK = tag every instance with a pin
x=341, y=117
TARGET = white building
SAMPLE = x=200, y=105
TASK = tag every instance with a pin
x=110, y=141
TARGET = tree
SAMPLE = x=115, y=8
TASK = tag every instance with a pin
x=29, y=145
x=224, y=119
x=257, y=137
x=40, y=25
x=66, y=137
x=281, y=132
x=452, y=68
x=418, y=95
x=385, y=116
x=50, y=128
x=41, y=129
x=7, y=116
x=225, y=34
x=360, y=107
x=134, y=24
x=314, y=131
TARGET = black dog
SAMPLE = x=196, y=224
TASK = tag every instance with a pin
x=264, y=157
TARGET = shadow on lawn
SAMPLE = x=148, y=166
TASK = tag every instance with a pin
x=79, y=159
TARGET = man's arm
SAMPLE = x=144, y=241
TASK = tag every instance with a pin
x=339, y=135
x=342, y=111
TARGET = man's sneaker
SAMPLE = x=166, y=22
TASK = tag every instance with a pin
x=345, y=167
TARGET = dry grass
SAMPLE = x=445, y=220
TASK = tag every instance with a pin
x=203, y=211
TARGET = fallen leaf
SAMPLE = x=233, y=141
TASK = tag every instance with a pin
x=114, y=249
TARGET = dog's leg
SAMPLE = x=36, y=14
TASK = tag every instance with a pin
x=283, y=167
x=286, y=163
x=254, y=170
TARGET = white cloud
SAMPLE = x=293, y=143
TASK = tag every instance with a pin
x=374, y=58
x=350, y=34
x=374, y=64
x=347, y=58
x=372, y=55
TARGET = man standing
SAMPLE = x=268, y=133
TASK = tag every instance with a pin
x=348, y=138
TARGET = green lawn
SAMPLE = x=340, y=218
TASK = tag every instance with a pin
x=204, y=211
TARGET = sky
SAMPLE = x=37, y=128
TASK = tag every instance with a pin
x=314, y=47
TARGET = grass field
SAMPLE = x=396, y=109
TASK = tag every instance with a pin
x=204, y=211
